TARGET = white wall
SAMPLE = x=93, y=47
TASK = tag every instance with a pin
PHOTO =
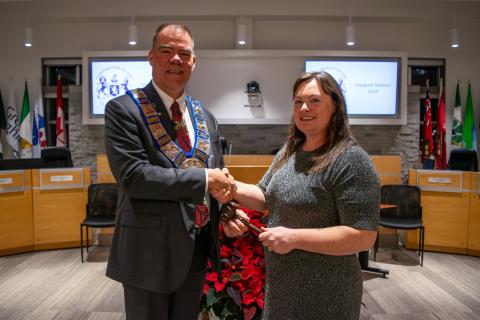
x=61, y=32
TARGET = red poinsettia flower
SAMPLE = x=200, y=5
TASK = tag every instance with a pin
x=241, y=292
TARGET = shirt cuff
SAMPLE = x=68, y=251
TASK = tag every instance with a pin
x=206, y=181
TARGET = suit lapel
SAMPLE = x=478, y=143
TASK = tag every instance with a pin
x=160, y=107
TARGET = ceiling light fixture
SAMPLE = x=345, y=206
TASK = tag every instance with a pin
x=350, y=32
x=28, y=37
x=132, y=33
x=454, y=40
x=241, y=32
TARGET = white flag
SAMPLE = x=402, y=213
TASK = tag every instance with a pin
x=12, y=124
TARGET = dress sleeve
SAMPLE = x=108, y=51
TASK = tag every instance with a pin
x=263, y=183
x=356, y=189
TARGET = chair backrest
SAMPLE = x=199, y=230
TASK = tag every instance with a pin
x=406, y=198
x=102, y=199
x=463, y=159
x=57, y=157
x=429, y=164
x=224, y=145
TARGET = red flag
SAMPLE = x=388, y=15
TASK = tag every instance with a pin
x=441, y=154
x=60, y=121
x=427, y=134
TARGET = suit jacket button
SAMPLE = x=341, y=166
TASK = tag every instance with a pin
x=191, y=229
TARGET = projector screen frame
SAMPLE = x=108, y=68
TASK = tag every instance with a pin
x=257, y=56
x=333, y=65
x=88, y=118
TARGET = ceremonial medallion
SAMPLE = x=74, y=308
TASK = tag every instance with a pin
x=164, y=142
x=192, y=163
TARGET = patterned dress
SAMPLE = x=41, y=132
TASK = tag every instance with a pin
x=305, y=285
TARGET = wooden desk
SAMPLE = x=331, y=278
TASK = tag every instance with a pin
x=59, y=199
x=41, y=208
x=248, y=168
x=446, y=205
x=473, y=247
x=16, y=216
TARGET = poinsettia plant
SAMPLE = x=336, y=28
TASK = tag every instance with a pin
x=240, y=294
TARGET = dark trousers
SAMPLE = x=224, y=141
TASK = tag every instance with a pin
x=182, y=304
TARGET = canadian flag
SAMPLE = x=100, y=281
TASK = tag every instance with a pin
x=60, y=120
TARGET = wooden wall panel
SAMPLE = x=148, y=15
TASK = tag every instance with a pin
x=104, y=174
x=389, y=168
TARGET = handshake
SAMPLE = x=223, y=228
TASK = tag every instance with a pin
x=221, y=185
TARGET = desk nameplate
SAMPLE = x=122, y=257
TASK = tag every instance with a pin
x=440, y=180
x=12, y=181
x=64, y=178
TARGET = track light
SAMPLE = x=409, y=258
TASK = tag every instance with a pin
x=350, y=30
x=28, y=37
x=350, y=34
x=241, y=33
x=132, y=34
x=454, y=42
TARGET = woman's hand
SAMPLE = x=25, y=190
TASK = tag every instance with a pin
x=280, y=240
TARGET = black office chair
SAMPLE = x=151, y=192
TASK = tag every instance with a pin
x=100, y=209
x=429, y=164
x=463, y=160
x=57, y=157
x=407, y=215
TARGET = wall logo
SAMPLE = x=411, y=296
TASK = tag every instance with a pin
x=111, y=82
x=338, y=75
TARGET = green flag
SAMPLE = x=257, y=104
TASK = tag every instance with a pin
x=457, y=130
x=3, y=124
x=469, y=130
x=26, y=126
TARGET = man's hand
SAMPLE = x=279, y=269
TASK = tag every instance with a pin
x=217, y=180
x=231, y=181
x=221, y=185
x=235, y=227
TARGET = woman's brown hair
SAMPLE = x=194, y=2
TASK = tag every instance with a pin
x=339, y=136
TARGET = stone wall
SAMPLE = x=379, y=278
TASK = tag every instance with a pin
x=85, y=141
x=88, y=141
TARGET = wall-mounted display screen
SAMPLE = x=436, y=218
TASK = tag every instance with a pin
x=371, y=86
x=374, y=82
x=112, y=77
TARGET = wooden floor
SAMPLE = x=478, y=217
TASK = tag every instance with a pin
x=56, y=285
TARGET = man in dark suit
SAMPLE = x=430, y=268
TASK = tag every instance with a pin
x=162, y=147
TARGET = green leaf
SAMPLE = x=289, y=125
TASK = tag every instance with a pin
x=235, y=277
x=211, y=298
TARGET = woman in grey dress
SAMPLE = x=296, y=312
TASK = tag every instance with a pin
x=323, y=198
